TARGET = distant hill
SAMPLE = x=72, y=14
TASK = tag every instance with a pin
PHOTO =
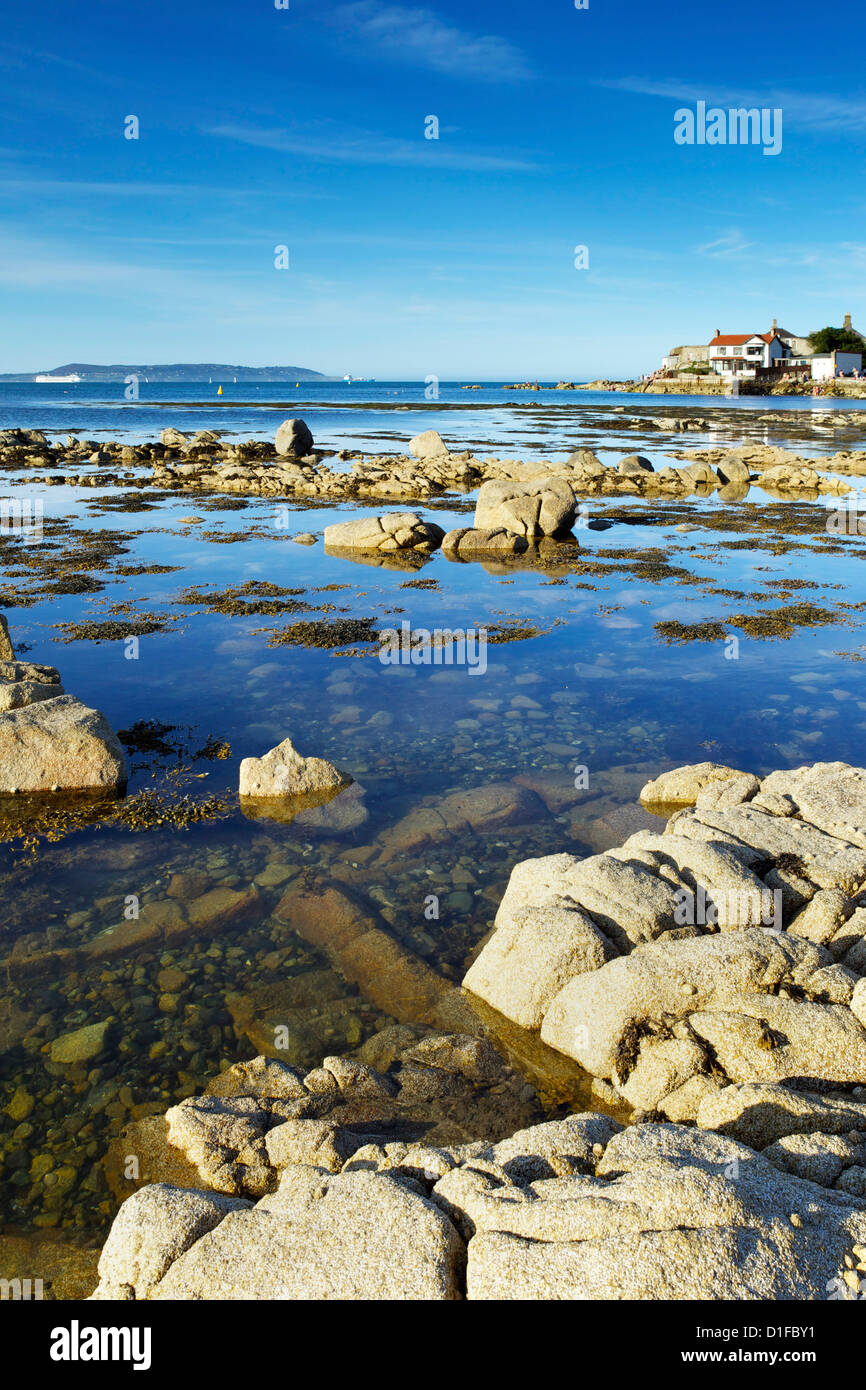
x=172, y=371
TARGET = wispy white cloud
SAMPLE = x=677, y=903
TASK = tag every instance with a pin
x=14, y=56
x=123, y=189
x=733, y=243
x=365, y=147
x=420, y=37
x=814, y=110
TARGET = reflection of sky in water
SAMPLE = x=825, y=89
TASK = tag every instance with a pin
x=597, y=688
x=214, y=671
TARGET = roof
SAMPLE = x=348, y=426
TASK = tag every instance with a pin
x=737, y=339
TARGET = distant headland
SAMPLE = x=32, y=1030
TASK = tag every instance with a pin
x=172, y=371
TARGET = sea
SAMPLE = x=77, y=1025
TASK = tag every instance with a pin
x=670, y=632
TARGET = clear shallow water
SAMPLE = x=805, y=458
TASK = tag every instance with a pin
x=383, y=416
x=596, y=687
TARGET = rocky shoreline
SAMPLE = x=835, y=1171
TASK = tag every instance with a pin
x=294, y=469
x=712, y=979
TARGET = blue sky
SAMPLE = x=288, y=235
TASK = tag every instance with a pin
x=304, y=127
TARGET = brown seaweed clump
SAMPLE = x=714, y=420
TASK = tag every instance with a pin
x=673, y=632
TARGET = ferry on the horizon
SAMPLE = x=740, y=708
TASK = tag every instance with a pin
x=46, y=377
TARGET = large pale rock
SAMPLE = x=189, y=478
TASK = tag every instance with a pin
x=633, y=465
x=153, y=1228
x=294, y=438
x=354, y=1236
x=385, y=534
x=754, y=996
x=283, y=772
x=682, y=785
x=172, y=438
x=758, y=1113
x=428, y=445
x=316, y=1143
x=542, y=508
x=820, y=1158
x=59, y=745
x=224, y=1140
x=30, y=671
x=627, y=902
x=531, y=955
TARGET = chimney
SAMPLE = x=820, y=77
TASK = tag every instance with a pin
x=773, y=327
x=718, y=332
x=847, y=323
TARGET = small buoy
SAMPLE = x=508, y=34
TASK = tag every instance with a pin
x=219, y=390
x=297, y=384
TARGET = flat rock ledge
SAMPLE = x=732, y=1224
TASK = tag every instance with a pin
x=280, y=1188
x=711, y=977
x=729, y=949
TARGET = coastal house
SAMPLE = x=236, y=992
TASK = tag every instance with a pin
x=776, y=354
x=826, y=365
x=681, y=359
x=743, y=354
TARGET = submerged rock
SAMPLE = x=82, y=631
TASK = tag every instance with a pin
x=82, y=1045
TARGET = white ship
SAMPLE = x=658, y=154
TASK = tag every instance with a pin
x=64, y=379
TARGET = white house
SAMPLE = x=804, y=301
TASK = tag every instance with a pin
x=741, y=354
x=825, y=365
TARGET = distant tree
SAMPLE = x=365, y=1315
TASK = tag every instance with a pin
x=836, y=340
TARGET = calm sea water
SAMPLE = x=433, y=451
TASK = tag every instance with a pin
x=386, y=415
x=590, y=684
